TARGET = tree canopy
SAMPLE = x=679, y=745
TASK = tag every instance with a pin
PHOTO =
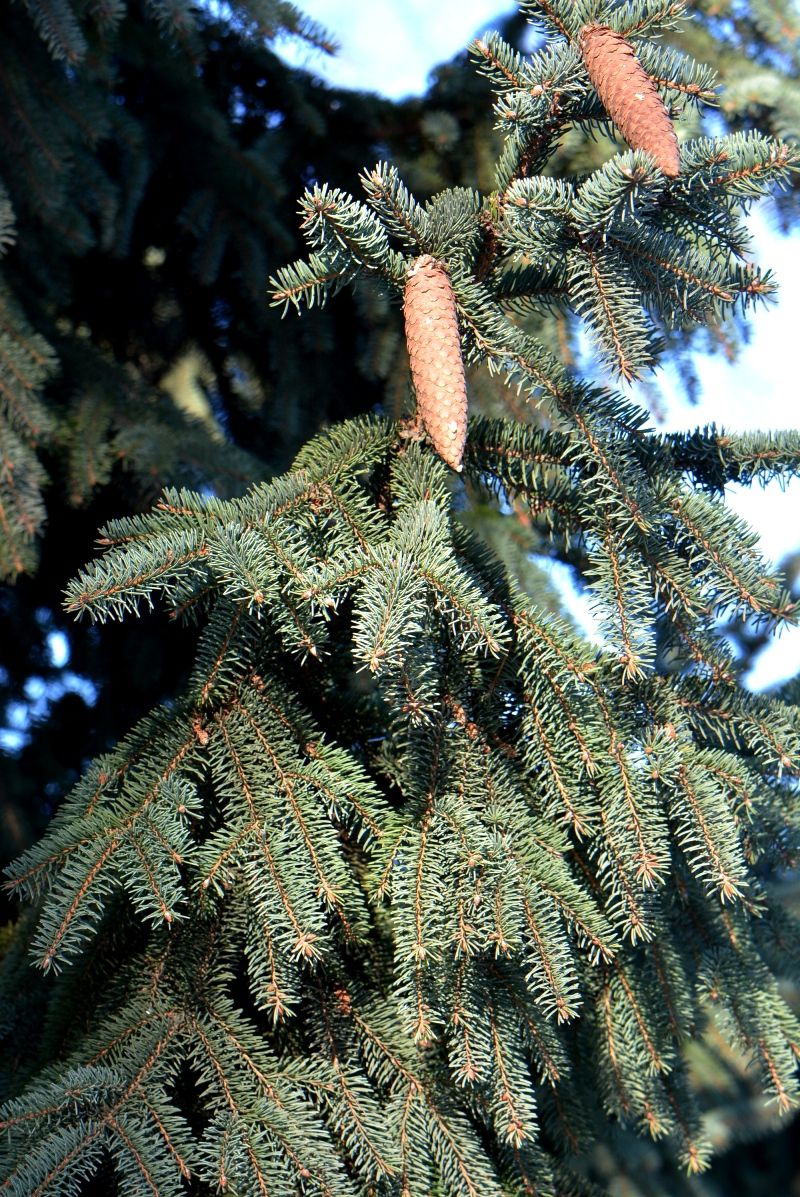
x=384, y=879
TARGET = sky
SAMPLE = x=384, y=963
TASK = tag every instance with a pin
x=391, y=46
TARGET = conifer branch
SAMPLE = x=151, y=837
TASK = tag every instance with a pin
x=413, y=885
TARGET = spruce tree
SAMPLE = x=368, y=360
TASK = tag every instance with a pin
x=150, y=155
x=413, y=889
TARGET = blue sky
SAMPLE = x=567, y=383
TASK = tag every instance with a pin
x=390, y=46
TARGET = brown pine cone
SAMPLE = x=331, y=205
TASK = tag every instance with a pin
x=434, y=348
x=629, y=96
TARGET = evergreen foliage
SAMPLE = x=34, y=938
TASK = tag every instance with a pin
x=149, y=153
x=411, y=888
x=141, y=354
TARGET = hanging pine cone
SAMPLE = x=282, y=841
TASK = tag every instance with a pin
x=629, y=96
x=434, y=347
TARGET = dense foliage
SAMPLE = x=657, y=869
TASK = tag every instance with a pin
x=408, y=887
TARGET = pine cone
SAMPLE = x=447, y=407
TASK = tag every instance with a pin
x=434, y=347
x=629, y=96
